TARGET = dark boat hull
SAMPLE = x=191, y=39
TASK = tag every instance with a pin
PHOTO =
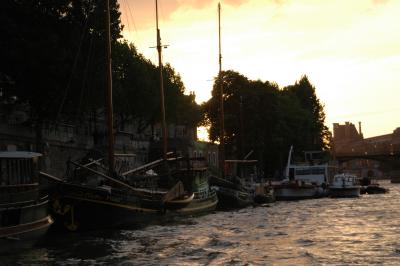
x=198, y=206
x=346, y=192
x=264, y=198
x=232, y=199
x=373, y=189
x=24, y=224
x=79, y=208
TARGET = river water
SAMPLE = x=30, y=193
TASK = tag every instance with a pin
x=361, y=231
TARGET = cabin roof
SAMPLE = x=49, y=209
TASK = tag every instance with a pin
x=18, y=154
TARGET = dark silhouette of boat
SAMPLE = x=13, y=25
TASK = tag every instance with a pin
x=231, y=193
x=195, y=179
x=93, y=195
x=371, y=187
x=23, y=210
x=88, y=198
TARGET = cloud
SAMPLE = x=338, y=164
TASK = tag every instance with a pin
x=380, y=2
x=140, y=14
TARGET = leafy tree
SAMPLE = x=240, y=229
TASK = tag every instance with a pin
x=262, y=118
x=317, y=135
x=54, y=54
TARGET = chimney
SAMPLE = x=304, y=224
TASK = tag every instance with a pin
x=359, y=129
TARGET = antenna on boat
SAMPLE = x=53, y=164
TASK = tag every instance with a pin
x=221, y=101
x=160, y=66
x=289, y=161
x=109, y=102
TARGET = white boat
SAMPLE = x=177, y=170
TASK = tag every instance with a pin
x=301, y=181
x=344, y=185
x=294, y=190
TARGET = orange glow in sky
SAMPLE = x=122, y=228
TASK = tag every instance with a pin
x=350, y=50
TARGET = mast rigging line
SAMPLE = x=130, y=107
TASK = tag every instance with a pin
x=74, y=65
x=85, y=77
x=130, y=17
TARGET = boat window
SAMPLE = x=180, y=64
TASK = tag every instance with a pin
x=303, y=171
x=318, y=171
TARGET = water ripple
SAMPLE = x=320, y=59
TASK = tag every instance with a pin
x=363, y=231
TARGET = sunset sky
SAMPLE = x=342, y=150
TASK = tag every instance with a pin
x=350, y=50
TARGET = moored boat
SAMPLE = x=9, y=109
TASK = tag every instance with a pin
x=263, y=193
x=196, y=181
x=294, y=190
x=90, y=199
x=369, y=186
x=24, y=219
x=344, y=185
x=231, y=193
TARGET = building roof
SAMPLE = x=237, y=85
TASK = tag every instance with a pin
x=18, y=154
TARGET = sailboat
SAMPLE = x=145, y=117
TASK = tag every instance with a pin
x=191, y=173
x=94, y=196
x=230, y=190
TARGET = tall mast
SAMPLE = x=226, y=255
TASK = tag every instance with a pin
x=109, y=101
x=221, y=101
x=160, y=66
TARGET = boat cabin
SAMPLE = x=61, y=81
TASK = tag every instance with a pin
x=19, y=168
x=317, y=174
x=344, y=180
x=19, y=176
x=312, y=170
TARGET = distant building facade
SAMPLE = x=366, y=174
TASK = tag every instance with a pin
x=347, y=141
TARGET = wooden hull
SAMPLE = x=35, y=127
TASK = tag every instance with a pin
x=232, y=199
x=344, y=192
x=199, y=205
x=179, y=203
x=24, y=224
x=78, y=208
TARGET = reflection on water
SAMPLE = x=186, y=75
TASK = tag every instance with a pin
x=362, y=231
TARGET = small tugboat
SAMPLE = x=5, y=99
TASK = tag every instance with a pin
x=196, y=182
x=344, y=185
x=23, y=211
